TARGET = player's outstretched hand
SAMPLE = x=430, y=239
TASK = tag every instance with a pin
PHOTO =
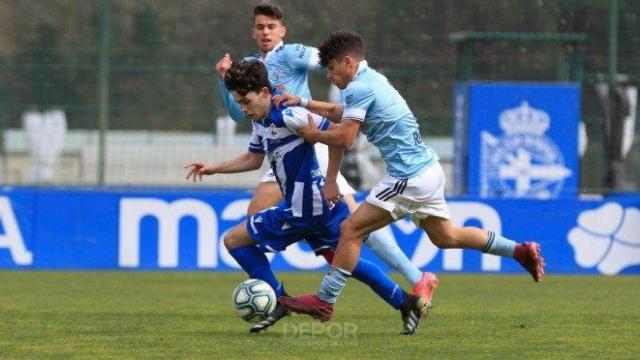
x=310, y=133
x=224, y=64
x=332, y=192
x=197, y=169
x=287, y=99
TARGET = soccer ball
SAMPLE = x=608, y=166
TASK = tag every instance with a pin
x=254, y=300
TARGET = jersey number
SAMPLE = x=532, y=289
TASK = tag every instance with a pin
x=417, y=138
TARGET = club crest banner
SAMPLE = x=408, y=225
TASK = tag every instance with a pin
x=517, y=140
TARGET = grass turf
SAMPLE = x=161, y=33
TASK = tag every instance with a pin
x=117, y=315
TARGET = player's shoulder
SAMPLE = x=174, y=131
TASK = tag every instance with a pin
x=257, y=127
x=293, y=47
x=357, y=84
x=255, y=56
x=295, y=112
x=356, y=88
x=294, y=50
x=296, y=117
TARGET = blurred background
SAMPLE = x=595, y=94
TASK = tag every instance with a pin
x=124, y=92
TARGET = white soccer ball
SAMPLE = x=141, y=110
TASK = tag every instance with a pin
x=254, y=300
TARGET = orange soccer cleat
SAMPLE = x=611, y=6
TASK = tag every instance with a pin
x=425, y=287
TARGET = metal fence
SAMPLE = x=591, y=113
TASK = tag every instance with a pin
x=162, y=101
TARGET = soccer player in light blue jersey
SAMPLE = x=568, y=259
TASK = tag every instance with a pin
x=288, y=66
x=414, y=184
x=304, y=213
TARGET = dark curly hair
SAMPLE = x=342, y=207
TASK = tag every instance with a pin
x=245, y=76
x=268, y=9
x=339, y=44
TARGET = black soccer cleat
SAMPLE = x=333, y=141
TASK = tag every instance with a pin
x=278, y=313
x=414, y=308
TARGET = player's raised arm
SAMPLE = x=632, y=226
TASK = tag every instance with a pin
x=223, y=65
x=232, y=107
x=245, y=162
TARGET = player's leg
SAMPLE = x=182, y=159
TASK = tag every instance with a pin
x=322, y=154
x=426, y=192
x=384, y=195
x=412, y=307
x=363, y=221
x=382, y=243
x=366, y=219
x=372, y=275
x=247, y=244
x=266, y=195
x=252, y=259
x=444, y=235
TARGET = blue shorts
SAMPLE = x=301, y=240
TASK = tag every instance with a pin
x=274, y=229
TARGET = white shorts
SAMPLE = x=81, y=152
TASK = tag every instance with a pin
x=322, y=153
x=420, y=196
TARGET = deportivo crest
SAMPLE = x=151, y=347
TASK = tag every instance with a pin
x=522, y=163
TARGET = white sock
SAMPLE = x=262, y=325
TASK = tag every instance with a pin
x=332, y=284
x=382, y=244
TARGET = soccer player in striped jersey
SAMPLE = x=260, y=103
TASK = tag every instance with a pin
x=304, y=213
x=414, y=184
x=288, y=66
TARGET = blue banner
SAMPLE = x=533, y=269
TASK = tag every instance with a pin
x=519, y=140
x=461, y=143
x=183, y=230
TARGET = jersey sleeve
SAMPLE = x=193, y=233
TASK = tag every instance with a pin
x=296, y=118
x=357, y=99
x=230, y=104
x=255, y=143
x=227, y=99
x=301, y=57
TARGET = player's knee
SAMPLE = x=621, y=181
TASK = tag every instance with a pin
x=253, y=208
x=347, y=230
x=442, y=239
x=230, y=241
x=350, y=232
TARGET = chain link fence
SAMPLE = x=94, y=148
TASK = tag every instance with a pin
x=163, y=93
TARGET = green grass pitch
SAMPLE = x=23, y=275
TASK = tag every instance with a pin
x=188, y=315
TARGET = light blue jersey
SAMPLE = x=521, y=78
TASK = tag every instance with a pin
x=388, y=123
x=293, y=162
x=287, y=66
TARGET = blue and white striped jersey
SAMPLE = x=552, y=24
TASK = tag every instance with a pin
x=388, y=123
x=287, y=66
x=292, y=160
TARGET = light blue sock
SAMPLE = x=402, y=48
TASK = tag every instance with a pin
x=385, y=247
x=332, y=285
x=499, y=245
